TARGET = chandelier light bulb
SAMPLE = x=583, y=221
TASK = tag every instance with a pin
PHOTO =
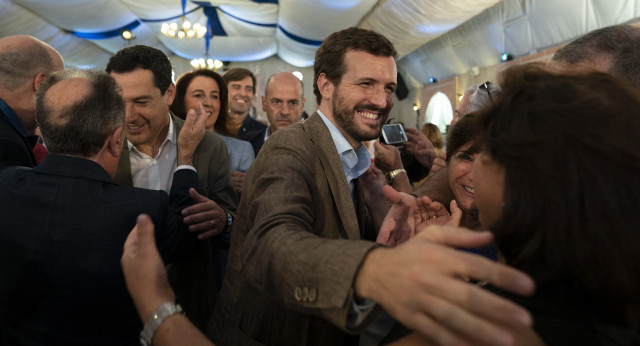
x=186, y=25
x=217, y=64
x=196, y=27
x=174, y=26
x=195, y=63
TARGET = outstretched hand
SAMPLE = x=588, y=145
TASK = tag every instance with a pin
x=419, y=284
x=144, y=270
x=191, y=134
x=420, y=147
x=399, y=224
x=428, y=212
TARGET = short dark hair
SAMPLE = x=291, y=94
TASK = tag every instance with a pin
x=144, y=57
x=80, y=128
x=178, y=106
x=568, y=144
x=238, y=73
x=619, y=43
x=330, y=56
x=461, y=133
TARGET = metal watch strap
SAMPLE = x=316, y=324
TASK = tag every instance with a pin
x=393, y=174
x=155, y=320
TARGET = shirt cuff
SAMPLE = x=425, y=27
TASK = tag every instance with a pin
x=185, y=167
x=360, y=309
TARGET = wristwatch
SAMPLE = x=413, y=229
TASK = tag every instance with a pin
x=393, y=174
x=155, y=320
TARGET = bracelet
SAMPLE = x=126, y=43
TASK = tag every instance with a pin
x=155, y=320
x=393, y=174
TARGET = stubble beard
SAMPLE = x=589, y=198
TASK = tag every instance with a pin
x=345, y=118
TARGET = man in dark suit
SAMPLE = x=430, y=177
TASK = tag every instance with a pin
x=65, y=221
x=283, y=101
x=242, y=89
x=303, y=267
x=24, y=63
x=149, y=159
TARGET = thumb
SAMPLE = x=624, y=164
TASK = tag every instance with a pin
x=145, y=228
x=190, y=119
x=198, y=198
x=456, y=213
x=391, y=195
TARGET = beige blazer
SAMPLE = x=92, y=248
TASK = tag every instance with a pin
x=296, y=246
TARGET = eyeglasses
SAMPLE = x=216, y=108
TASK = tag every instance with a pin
x=486, y=86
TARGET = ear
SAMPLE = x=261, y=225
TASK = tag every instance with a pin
x=325, y=86
x=264, y=103
x=170, y=94
x=40, y=77
x=115, y=143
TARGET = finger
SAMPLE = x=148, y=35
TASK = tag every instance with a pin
x=465, y=318
x=457, y=236
x=465, y=264
x=190, y=119
x=391, y=195
x=145, y=229
x=198, y=198
x=456, y=214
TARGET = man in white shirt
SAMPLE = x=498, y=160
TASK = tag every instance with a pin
x=149, y=160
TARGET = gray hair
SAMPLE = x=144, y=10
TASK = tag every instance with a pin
x=480, y=95
x=82, y=127
x=619, y=43
x=20, y=63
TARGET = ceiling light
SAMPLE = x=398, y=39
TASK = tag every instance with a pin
x=183, y=29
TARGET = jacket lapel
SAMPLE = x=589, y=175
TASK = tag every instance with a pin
x=328, y=154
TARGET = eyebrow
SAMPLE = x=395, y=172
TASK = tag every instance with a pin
x=142, y=98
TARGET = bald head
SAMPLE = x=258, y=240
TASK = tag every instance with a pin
x=283, y=100
x=78, y=110
x=22, y=58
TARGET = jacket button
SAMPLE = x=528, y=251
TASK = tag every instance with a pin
x=313, y=294
x=298, y=293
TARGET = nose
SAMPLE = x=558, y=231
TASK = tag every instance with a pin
x=206, y=101
x=380, y=98
x=129, y=111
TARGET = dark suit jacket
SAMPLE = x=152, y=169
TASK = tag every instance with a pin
x=256, y=138
x=296, y=246
x=63, y=229
x=250, y=124
x=193, y=278
x=15, y=150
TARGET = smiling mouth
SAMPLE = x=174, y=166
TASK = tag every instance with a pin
x=468, y=189
x=369, y=115
x=134, y=127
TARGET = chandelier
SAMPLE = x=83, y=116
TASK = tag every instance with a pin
x=183, y=29
x=207, y=63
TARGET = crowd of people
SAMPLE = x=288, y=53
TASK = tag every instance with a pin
x=138, y=210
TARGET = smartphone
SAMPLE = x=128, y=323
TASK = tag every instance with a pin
x=393, y=134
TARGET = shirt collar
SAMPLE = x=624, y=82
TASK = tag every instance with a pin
x=171, y=136
x=354, y=162
x=267, y=133
x=13, y=119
